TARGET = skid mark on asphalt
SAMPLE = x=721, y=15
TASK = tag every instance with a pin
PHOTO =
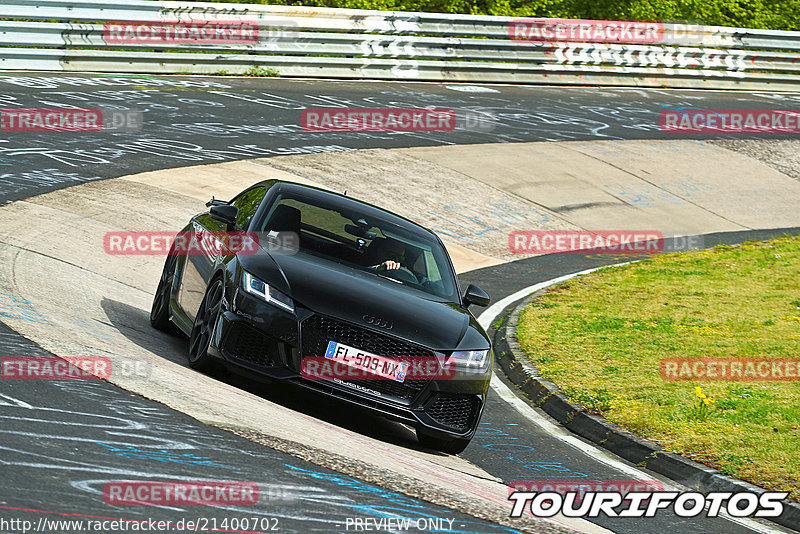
x=50, y=445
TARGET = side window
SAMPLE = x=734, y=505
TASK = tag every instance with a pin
x=248, y=203
x=433, y=269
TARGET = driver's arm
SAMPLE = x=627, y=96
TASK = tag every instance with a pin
x=388, y=265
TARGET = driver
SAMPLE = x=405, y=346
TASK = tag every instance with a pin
x=391, y=256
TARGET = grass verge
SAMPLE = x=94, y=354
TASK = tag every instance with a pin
x=601, y=338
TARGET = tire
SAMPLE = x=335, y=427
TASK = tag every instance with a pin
x=159, y=312
x=449, y=446
x=202, y=329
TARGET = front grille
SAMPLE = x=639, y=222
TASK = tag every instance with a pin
x=248, y=344
x=453, y=411
x=318, y=330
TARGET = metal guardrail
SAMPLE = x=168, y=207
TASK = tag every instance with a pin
x=344, y=43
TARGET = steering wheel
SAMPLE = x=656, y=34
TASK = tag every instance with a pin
x=403, y=274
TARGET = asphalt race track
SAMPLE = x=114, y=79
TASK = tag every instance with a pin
x=196, y=120
x=62, y=441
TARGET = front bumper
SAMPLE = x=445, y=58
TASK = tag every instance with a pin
x=271, y=342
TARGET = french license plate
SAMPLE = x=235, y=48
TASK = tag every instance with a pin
x=366, y=362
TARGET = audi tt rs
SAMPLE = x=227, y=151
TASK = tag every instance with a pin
x=338, y=296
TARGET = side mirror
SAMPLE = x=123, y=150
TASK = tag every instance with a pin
x=226, y=214
x=477, y=296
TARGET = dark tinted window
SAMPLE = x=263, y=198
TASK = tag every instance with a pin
x=364, y=240
x=248, y=203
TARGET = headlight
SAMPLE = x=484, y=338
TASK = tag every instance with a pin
x=259, y=288
x=469, y=359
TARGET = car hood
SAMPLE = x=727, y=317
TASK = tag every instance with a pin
x=364, y=298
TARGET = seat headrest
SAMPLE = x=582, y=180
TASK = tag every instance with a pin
x=284, y=219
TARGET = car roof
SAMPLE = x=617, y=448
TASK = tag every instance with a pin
x=318, y=193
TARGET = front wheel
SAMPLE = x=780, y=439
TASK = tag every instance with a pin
x=203, y=328
x=449, y=446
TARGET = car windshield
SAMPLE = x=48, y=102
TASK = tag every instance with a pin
x=360, y=238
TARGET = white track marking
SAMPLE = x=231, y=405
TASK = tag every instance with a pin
x=504, y=392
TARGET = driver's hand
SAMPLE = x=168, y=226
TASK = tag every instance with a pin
x=390, y=265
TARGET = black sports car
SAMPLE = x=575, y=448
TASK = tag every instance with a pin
x=366, y=296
